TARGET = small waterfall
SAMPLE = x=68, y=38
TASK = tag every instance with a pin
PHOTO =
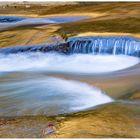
x=105, y=45
x=94, y=45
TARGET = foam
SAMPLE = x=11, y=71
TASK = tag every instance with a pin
x=76, y=63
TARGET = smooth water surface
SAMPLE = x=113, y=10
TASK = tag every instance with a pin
x=27, y=94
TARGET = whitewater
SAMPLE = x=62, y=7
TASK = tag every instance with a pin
x=75, y=63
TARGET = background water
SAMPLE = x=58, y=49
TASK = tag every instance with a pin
x=13, y=21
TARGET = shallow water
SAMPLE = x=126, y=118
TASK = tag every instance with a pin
x=7, y=22
x=36, y=84
x=38, y=95
x=27, y=88
x=76, y=63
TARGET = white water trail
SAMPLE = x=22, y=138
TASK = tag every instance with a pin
x=77, y=63
x=49, y=96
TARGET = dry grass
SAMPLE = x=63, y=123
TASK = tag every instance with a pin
x=127, y=8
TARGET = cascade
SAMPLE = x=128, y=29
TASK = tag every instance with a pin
x=114, y=45
x=105, y=45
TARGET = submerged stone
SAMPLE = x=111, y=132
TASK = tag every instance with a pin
x=60, y=48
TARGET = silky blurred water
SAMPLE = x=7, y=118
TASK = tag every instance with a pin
x=38, y=94
x=76, y=63
x=27, y=89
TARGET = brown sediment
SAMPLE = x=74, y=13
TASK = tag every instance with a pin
x=118, y=84
x=110, y=120
x=105, y=19
x=114, y=120
x=27, y=36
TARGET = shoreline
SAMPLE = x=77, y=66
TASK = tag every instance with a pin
x=93, y=122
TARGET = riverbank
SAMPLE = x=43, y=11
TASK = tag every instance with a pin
x=119, y=120
x=106, y=19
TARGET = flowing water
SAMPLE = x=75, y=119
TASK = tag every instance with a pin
x=32, y=95
x=28, y=81
x=27, y=88
x=105, y=45
x=7, y=22
x=76, y=63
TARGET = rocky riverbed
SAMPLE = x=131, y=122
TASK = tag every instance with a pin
x=109, y=101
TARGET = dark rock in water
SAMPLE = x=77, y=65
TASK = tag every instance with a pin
x=95, y=45
x=60, y=48
x=9, y=19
